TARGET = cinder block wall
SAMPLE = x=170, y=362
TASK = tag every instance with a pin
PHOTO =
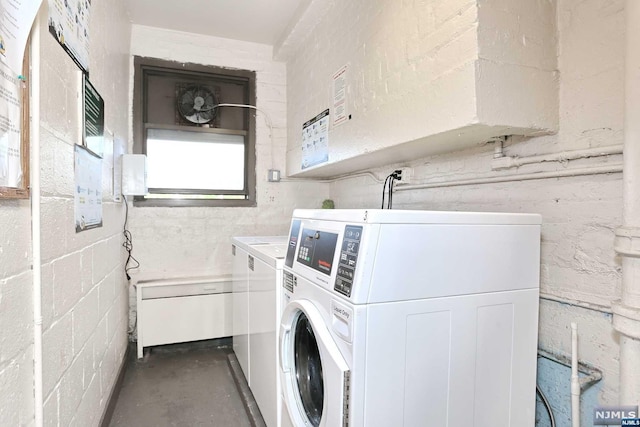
x=83, y=284
x=580, y=273
x=195, y=241
x=16, y=314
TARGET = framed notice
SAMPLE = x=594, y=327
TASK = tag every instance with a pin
x=16, y=19
x=14, y=132
x=93, y=120
x=10, y=167
x=69, y=25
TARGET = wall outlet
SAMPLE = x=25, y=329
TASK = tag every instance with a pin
x=274, y=175
x=407, y=175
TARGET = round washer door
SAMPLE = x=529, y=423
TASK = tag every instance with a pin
x=313, y=374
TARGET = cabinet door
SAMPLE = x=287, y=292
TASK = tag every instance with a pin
x=263, y=339
x=241, y=310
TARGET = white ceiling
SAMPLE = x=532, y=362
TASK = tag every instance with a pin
x=259, y=21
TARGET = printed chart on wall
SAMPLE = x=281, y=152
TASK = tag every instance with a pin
x=69, y=25
x=10, y=162
x=340, y=96
x=315, y=140
x=16, y=19
x=88, y=185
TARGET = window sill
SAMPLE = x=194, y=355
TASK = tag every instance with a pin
x=140, y=202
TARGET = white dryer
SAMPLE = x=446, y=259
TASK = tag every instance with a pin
x=257, y=279
x=410, y=318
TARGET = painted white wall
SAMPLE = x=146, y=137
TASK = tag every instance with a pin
x=585, y=41
x=196, y=241
x=16, y=314
x=84, y=289
x=423, y=77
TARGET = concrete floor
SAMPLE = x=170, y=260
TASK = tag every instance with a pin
x=183, y=385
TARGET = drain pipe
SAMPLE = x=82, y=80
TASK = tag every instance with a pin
x=626, y=311
x=575, y=379
x=36, y=230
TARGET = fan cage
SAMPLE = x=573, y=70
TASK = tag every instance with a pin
x=181, y=113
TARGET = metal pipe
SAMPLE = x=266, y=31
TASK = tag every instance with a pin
x=597, y=170
x=562, y=156
x=626, y=319
x=337, y=178
x=591, y=375
x=36, y=228
x=575, y=379
x=586, y=305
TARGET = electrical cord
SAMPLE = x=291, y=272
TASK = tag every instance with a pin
x=390, y=204
x=267, y=120
x=547, y=405
x=389, y=182
x=384, y=189
x=128, y=242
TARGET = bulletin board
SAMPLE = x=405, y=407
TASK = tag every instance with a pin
x=14, y=128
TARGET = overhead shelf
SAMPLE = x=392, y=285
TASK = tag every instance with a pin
x=466, y=79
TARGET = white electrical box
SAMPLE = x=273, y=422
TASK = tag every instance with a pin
x=134, y=175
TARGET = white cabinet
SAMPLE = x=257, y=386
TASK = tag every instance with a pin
x=173, y=311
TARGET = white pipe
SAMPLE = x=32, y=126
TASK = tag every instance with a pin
x=34, y=128
x=631, y=180
x=337, y=178
x=562, y=156
x=515, y=177
x=626, y=319
x=591, y=374
x=575, y=379
x=582, y=304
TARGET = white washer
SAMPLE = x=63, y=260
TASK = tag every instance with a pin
x=257, y=279
x=410, y=318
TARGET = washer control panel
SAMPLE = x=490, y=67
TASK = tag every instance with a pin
x=348, y=259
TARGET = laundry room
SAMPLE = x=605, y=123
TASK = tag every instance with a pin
x=355, y=154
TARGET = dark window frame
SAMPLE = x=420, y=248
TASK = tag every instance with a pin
x=144, y=66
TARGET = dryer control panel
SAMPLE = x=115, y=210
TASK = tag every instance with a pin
x=348, y=259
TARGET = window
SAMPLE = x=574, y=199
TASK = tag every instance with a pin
x=198, y=153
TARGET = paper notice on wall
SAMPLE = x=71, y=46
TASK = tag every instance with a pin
x=340, y=96
x=315, y=140
x=88, y=189
x=69, y=25
x=16, y=19
x=10, y=161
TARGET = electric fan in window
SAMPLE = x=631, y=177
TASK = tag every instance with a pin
x=196, y=104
